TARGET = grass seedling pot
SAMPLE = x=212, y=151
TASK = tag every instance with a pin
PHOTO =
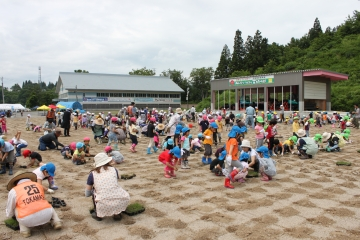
x=252, y=174
x=128, y=176
x=12, y=223
x=134, y=208
x=343, y=163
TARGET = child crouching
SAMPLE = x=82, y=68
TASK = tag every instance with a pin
x=79, y=154
x=267, y=165
x=169, y=159
x=240, y=177
x=116, y=156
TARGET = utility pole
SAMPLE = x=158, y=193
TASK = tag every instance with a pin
x=2, y=88
x=76, y=93
x=187, y=97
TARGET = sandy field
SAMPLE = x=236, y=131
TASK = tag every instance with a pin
x=308, y=199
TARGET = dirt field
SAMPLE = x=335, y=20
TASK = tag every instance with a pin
x=311, y=199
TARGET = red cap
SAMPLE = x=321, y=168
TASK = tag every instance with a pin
x=26, y=153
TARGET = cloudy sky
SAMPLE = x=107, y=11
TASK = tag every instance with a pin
x=115, y=36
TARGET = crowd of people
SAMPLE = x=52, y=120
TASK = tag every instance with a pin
x=241, y=142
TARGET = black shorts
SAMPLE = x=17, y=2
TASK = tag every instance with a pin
x=185, y=154
x=133, y=139
x=208, y=150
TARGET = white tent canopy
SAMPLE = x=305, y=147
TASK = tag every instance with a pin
x=9, y=106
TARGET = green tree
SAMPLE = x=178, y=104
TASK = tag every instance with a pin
x=143, y=71
x=223, y=69
x=316, y=30
x=238, y=55
x=32, y=101
x=256, y=52
x=177, y=77
x=240, y=73
x=81, y=71
x=200, y=80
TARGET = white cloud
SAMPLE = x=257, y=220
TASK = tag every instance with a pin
x=116, y=36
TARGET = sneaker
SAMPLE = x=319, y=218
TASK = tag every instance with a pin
x=183, y=166
x=94, y=216
x=57, y=225
x=187, y=164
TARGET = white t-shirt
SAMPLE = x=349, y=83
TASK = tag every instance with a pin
x=252, y=153
x=39, y=173
x=20, y=141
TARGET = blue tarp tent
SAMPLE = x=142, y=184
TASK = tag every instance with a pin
x=73, y=105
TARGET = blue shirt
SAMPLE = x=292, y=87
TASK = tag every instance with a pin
x=250, y=111
x=7, y=147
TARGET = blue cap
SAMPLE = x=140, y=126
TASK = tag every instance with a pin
x=234, y=130
x=185, y=129
x=190, y=136
x=222, y=155
x=170, y=141
x=79, y=145
x=176, y=151
x=49, y=167
x=213, y=125
x=2, y=142
x=263, y=150
x=244, y=156
x=200, y=135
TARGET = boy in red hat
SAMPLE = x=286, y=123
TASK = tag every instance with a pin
x=33, y=156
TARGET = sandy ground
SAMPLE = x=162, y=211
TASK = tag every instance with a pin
x=311, y=199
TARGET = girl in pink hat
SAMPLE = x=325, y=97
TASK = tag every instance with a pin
x=116, y=156
x=87, y=147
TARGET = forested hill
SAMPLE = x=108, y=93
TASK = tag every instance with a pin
x=335, y=48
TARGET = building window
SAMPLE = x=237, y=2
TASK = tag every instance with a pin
x=142, y=95
x=163, y=95
x=174, y=95
x=102, y=94
x=115, y=94
x=152, y=95
x=128, y=95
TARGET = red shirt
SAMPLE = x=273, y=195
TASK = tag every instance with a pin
x=270, y=132
x=343, y=125
x=165, y=157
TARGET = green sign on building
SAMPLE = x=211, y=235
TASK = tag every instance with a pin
x=251, y=81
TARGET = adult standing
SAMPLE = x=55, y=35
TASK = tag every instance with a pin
x=174, y=120
x=22, y=188
x=250, y=113
x=50, y=141
x=192, y=111
x=282, y=113
x=102, y=184
x=65, y=124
